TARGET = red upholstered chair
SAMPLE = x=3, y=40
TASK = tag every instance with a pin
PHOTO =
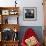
x=29, y=33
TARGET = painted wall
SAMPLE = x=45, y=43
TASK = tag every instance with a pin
x=27, y=3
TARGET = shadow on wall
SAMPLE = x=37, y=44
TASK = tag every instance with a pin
x=37, y=29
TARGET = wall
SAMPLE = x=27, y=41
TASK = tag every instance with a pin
x=38, y=5
x=27, y=3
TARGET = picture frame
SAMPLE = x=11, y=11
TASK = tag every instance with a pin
x=9, y=19
x=13, y=12
x=30, y=13
x=5, y=12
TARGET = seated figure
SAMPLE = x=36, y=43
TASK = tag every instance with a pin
x=30, y=38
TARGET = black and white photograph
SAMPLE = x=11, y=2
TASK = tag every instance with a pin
x=29, y=13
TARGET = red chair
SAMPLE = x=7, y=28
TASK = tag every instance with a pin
x=29, y=33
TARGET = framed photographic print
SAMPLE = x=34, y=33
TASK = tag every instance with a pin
x=5, y=12
x=9, y=19
x=30, y=13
